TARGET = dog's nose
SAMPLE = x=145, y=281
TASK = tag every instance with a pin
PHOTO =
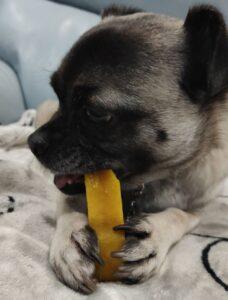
x=37, y=143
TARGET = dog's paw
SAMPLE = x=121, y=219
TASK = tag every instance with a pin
x=28, y=118
x=14, y=135
x=7, y=204
x=73, y=254
x=144, y=251
x=6, y=133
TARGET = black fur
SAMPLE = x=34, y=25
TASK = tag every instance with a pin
x=206, y=70
x=162, y=135
x=100, y=59
x=89, y=250
x=119, y=10
x=94, y=55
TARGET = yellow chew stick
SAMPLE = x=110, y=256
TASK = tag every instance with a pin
x=104, y=212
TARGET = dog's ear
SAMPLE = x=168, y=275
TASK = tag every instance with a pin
x=119, y=10
x=206, y=69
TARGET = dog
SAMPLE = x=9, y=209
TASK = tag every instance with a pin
x=146, y=96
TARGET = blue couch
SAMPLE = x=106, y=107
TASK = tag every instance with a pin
x=35, y=35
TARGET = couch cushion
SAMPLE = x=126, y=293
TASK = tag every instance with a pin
x=11, y=99
x=174, y=8
x=35, y=35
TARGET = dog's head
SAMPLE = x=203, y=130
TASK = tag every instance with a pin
x=134, y=95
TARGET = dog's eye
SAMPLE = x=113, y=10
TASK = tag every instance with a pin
x=98, y=116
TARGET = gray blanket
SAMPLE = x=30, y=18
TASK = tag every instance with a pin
x=196, y=268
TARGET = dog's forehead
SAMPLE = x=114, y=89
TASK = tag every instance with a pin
x=103, y=47
x=104, y=95
x=122, y=43
x=123, y=54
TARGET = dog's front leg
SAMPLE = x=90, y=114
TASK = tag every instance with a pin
x=149, y=240
x=74, y=249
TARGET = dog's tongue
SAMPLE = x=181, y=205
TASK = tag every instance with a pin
x=62, y=180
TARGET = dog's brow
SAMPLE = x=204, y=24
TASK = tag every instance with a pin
x=84, y=90
x=98, y=103
x=108, y=98
x=104, y=98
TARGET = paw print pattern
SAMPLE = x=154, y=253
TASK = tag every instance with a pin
x=7, y=204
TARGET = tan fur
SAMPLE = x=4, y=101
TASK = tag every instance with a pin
x=45, y=112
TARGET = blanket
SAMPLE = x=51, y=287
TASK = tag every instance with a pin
x=195, y=268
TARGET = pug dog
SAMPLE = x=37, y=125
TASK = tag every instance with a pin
x=146, y=96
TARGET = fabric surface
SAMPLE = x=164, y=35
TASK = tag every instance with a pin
x=196, y=268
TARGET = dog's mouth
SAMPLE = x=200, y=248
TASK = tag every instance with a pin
x=70, y=184
x=73, y=184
